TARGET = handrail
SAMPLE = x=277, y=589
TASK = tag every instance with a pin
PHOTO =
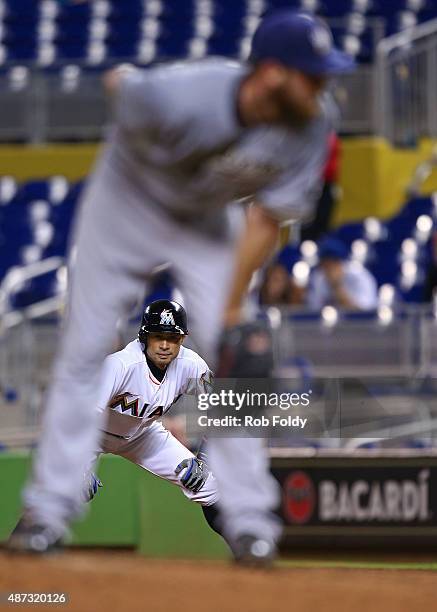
x=407, y=84
x=18, y=275
x=395, y=432
x=34, y=311
x=406, y=36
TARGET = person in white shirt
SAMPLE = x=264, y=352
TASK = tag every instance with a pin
x=339, y=282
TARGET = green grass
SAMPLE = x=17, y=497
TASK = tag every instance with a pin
x=373, y=565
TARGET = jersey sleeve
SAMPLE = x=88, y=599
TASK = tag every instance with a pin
x=200, y=378
x=111, y=380
x=205, y=379
x=139, y=103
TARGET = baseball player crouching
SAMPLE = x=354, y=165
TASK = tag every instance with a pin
x=139, y=385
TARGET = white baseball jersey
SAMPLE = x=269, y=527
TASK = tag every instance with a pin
x=133, y=398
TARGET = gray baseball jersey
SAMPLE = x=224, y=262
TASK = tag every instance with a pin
x=178, y=137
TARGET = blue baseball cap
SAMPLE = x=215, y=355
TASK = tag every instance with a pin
x=299, y=40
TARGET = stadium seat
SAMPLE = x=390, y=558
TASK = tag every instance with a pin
x=105, y=31
x=36, y=217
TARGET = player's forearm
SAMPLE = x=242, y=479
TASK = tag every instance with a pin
x=256, y=243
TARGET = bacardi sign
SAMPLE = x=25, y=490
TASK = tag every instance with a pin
x=389, y=500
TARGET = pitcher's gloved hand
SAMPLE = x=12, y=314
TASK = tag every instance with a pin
x=92, y=484
x=245, y=351
x=196, y=473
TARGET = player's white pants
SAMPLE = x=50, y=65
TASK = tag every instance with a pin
x=120, y=239
x=156, y=450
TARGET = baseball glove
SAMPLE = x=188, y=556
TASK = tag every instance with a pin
x=245, y=351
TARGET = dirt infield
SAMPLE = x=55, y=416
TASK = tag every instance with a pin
x=124, y=581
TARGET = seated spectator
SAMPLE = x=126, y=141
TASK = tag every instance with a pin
x=276, y=287
x=340, y=282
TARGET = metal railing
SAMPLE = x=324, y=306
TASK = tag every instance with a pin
x=407, y=85
x=386, y=372
x=26, y=353
x=47, y=110
x=16, y=277
x=383, y=371
x=354, y=94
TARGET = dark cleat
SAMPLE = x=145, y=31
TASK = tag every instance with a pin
x=31, y=537
x=251, y=551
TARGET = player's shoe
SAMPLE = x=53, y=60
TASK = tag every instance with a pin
x=251, y=551
x=92, y=485
x=31, y=537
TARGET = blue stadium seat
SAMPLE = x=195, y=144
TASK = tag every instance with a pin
x=349, y=232
x=17, y=232
x=36, y=290
x=74, y=12
x=339, y=8
x=119, y=25
x=277, y=4
x=33, y=190
x=386, y=9
x=383, y=261
x=288, y=256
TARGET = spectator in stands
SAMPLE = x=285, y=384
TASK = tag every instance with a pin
x=321, y=223
x=340, y=282
x=277, y=288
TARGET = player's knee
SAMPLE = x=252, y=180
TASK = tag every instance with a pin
x=212, y=517
x=207, y=495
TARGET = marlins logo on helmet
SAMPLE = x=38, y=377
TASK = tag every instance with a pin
x=167, y=318
x=163, y=316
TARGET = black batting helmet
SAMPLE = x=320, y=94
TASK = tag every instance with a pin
x=163, y=316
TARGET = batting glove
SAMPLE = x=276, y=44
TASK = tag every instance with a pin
x=195, y=475
x=92, y=485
